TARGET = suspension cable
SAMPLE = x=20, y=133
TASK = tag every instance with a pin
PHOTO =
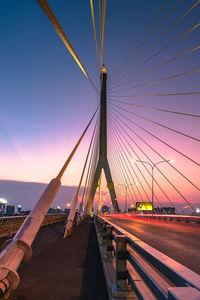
x=100, y=27
x=138, y=157
x=88, y=172
x=75, y=202
x=94, y=161
x=155, y=95
x=119, y=177
x=158, y=152
x=152, y=161
x=155, y=108
x=123, y=167
x=161, y=125
x=76, y=146
x=159, y=80
x=163, y=49
x=121, y=153
x=86, y=160
x=137, y=125
x=95, y=33
x=114, y=124
x=157, y=67
x=92, y=169
x=148, y=197
x=120, y=142
x=103, y=31
x=126, y=176
x=152, y=44
x=148, y=36
x=52, y=18
x=139, y=38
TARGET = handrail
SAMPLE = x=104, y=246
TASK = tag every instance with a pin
x=10, y=225
x=150, y=273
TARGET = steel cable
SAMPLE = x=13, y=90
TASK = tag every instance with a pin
x=138, y=157
x=95, y=33
x=120, y=142
x=103, y=31
x=148, y=36
x=92, y=165
x=159, y=153
x=159, y=80
x=155, y=108
x=156, y=123
x=119, y=147
x=100, y=25
x=152, y=161
x=118, y=67
x=156, y=95
x=155, y=68
x=85, y=192
x=52, y=18
x=164, y=48
x=145, y=50
x=86, y=161
x=125, y=173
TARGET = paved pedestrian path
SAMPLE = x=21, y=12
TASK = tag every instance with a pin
x=63, y=269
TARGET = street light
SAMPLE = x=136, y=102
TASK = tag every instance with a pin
x=152, y=169
x=3, y=203
x=126, y=186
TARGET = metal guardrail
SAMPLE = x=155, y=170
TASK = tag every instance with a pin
x=135, y=270
x=166, y=217
x=10, y=225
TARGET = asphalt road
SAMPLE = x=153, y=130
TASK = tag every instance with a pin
x=178, y=241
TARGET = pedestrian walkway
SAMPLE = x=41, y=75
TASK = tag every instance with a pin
x=63, y=269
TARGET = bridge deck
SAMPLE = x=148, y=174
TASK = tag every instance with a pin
x=63, y=269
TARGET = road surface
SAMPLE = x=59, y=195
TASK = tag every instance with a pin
x=178, y=241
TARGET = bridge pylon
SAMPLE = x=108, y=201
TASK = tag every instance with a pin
x=103, y=161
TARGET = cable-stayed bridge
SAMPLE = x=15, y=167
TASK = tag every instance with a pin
x=143, y=150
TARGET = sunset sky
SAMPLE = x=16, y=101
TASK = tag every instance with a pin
x=46, y=101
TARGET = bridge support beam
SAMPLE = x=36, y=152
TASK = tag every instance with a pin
x=103, y=161
x=19, y=249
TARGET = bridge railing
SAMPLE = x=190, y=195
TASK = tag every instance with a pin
x=133, y=268
x=10, y=225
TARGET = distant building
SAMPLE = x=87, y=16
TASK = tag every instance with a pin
x=3, y=203
x=19, y=208
x=51, y=210
x=164, y=210
x=105, y=209
x=66, y=210
x=54, y=210
x=131, y=209
x=10, y=210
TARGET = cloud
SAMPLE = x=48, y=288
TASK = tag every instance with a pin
x=28, y=193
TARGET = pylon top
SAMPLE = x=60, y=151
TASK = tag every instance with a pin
x=103, y=69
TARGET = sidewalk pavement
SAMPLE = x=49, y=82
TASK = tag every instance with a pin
x=63, y=269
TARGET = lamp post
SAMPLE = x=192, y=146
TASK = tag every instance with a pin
x=152, y=172
x=3, y=203
x=126, y=186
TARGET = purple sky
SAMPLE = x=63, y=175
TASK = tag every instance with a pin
x=46, y=101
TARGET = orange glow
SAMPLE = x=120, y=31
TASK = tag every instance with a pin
x=103, y=69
